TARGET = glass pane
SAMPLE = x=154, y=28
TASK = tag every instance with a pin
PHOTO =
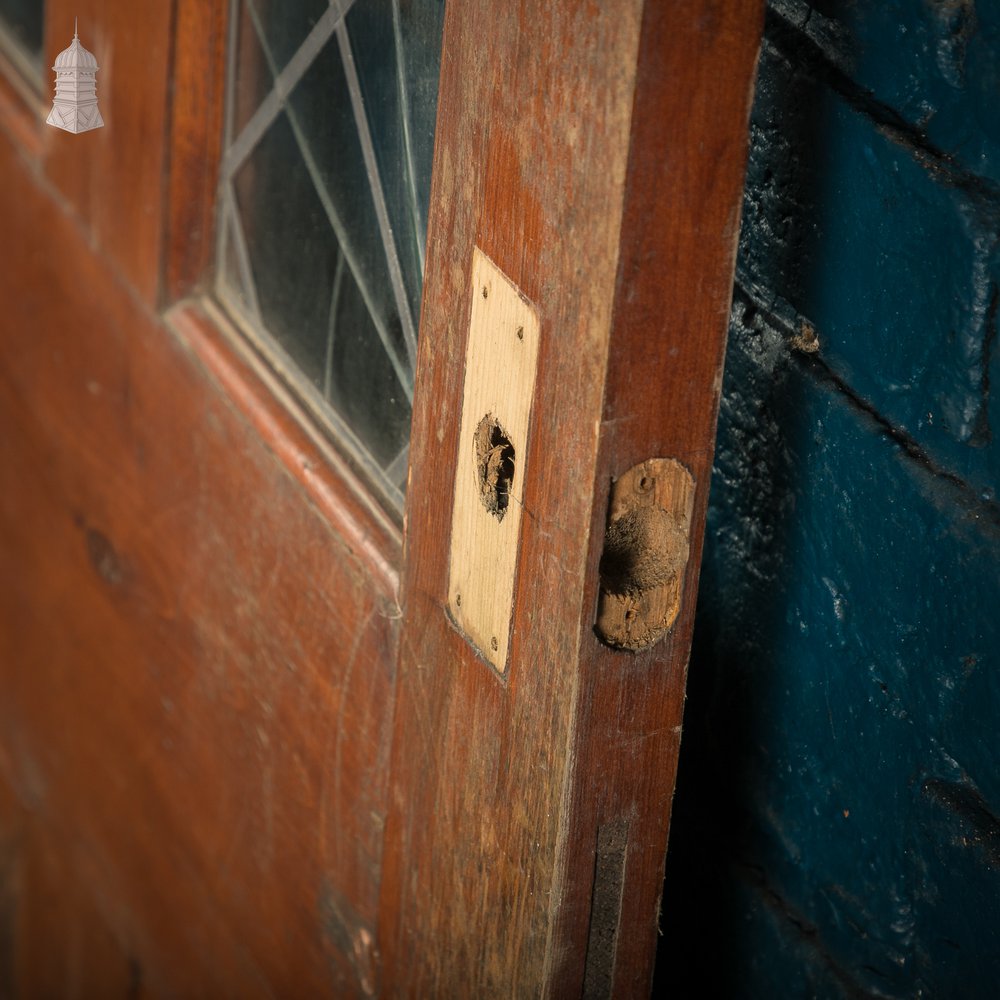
x=321, y=105
x=23, y=20
x=396, y=54
x=292, y=257
x=285, y=24
x=323, y=207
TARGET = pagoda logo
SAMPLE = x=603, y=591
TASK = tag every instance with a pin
x=75, y=106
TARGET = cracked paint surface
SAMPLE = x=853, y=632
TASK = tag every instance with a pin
x=836, y=829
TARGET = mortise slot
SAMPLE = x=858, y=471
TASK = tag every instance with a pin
x=605, y=910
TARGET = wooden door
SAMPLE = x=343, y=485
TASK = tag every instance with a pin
x=250, y=744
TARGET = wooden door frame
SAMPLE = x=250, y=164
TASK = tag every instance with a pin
x=197, y=112
x=199, y=428
x=527, y=817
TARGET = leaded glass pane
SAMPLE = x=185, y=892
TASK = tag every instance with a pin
x=323, y=204
x=22, y=22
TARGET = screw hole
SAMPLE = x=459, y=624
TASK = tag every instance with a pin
x=645, y=484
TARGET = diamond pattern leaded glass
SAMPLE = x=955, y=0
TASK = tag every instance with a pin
x=21, y=26
x=323, y=203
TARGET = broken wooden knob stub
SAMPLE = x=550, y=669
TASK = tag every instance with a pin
x=646, y=549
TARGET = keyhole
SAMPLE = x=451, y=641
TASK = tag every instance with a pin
x=494, y=465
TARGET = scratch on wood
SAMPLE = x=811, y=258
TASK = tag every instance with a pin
x=345, y=934
x=336, y=735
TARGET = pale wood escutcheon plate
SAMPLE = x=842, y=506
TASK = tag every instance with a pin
x=500, y=365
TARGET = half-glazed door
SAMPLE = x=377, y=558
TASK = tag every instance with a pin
x=357, y=396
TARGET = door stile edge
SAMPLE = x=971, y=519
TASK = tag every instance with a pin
x=195, y=118
x=530, y=167
x=688, y=148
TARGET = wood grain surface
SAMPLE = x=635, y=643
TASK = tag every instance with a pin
x=672, y=296
x=609, y=191
x=499, y=385
x=196, y=109
x=231, y=761
x=196, y=660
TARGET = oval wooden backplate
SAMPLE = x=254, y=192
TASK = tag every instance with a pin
x=645, y=553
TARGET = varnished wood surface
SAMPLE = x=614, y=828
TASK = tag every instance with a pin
x=541, y=103
x=674, y=286
x=500, y=793
x=196, y=668
x=199, y=630
x=197, y=104
x=365, y=529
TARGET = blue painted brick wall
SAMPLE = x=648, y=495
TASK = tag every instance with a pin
x=836, y=828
